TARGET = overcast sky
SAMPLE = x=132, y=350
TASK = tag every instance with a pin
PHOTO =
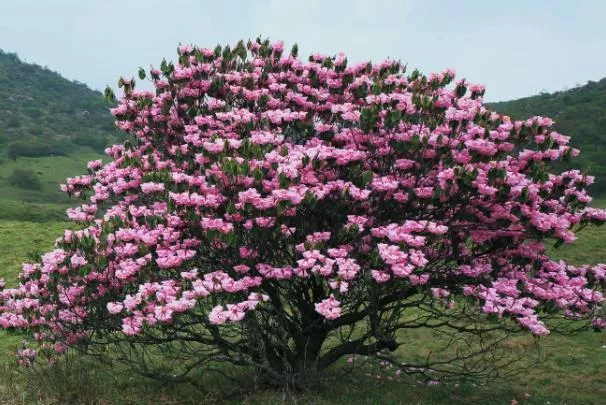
x=515, y=47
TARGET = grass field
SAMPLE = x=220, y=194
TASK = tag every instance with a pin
x=47, y=203
x=567, y=369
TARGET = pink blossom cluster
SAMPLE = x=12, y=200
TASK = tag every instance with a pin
x=329, y=308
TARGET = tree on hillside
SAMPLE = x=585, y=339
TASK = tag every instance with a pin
x=280, y=215
x=25, y=178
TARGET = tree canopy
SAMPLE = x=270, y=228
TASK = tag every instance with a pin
x=281, y=214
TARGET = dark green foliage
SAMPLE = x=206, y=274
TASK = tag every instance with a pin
x=36, y=102
x=36, y=148
x=96, y=143
x=25, y=178
x=579, y=113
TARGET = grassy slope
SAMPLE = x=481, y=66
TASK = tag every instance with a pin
x=569, y=369
x=49, y=202
x=46, y=115
x=50, y=171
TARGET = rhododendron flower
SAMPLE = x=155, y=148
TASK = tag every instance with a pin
x=329, y=308
x=152, y=187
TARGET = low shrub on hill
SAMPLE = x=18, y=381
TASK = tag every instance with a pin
x=25, y=178
x=37, y=148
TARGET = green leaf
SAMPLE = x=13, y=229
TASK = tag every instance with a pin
x=109, y=95
x=367, y=177
x=283, y=180
x=460, y=91
x=524, y=195
x=258, y=174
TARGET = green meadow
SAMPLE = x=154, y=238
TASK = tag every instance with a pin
x=46, y=203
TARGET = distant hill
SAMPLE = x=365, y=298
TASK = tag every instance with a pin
x=49, y=128
x=38, y=105
x=579, y=113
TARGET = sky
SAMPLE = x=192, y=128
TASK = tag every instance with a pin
x=516, y=48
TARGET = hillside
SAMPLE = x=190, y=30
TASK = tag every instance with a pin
x=49, y=128
x=38, y=105
x=579, y=113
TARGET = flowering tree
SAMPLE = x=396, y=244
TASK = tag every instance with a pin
x=282, y=214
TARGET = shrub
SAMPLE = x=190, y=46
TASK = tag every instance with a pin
x=282, y=214
x=95, y=141
x=37, y=149
x=25, y=178
x=13, y=122
x=33, y=112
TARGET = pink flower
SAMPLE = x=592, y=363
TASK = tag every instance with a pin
x=380, y=276
x=152, y=187
x=329, y=308
x=235, y=313
x=114, y=307
x=77, y=260
x=241, y=268
x=218, y=315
